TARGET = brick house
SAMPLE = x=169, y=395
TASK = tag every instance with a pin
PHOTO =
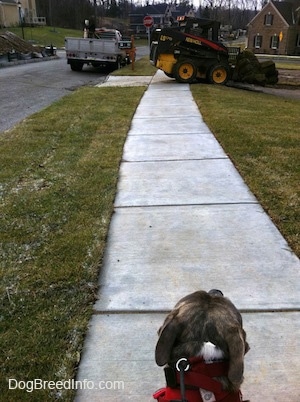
x=276, y=29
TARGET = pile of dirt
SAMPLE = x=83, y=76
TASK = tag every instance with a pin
x=9, y=42
x=249, y=70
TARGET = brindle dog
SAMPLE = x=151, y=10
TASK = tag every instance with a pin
x=205, y=324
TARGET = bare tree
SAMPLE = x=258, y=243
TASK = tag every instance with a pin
x=235, y=13
x=66, y=13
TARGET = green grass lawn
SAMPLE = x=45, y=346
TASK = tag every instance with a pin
x=46, y=35
x=59, y=170
x=58, y=176
x=140, y=68
x=287, y=66
x=260, y=133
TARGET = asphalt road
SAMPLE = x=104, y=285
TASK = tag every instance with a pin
x=28, y=88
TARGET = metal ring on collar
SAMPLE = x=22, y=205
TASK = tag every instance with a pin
x=184, y=367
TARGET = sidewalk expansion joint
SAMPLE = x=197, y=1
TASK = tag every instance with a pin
x=270, y=310
x=153, y=134
x=175, y=160
x=187, y=205
x=187, y=116
x=242, y=311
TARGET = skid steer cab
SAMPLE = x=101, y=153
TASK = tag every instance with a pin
x=189, y=50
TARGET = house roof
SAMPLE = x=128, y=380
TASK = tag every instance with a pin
x=153, y=9
x=286, y=9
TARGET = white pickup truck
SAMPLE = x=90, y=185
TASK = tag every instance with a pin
x=105, y=49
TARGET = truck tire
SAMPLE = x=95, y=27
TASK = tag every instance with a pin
x=218, y=74
x=117, y=64
x=185, y=71
x=76, y=65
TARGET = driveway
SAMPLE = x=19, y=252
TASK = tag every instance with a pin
x=28, y=88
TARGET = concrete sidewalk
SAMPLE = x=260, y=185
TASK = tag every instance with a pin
x=184, y=220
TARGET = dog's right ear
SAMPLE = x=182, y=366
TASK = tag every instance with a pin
x=237, y=347
x=166, y=340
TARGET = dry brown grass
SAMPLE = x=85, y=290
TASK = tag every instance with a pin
x=260, y=133
x=58, y=176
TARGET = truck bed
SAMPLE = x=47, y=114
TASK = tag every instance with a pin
x=93, y=49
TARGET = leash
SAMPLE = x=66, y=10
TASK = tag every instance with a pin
x=182, y=365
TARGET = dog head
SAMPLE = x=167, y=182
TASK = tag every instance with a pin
x=207, y=325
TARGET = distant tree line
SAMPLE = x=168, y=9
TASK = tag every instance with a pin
x=73, y=13
x=65, y=13
x=235, y=13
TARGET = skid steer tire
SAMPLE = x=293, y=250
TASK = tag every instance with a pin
x=169, y=75
x=185, y=71
x=218, y=74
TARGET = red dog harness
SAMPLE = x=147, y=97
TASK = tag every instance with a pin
x=198, y=383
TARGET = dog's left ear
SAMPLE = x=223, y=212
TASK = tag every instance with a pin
x=237, y=346
x=167, y=336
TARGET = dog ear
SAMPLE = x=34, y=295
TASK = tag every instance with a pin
x=166, y=340
x=236, y=345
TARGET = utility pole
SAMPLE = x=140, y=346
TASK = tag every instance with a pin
x=50, y=13
x=95, y=12
x=21, y=18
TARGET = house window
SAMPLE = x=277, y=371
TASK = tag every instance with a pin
x=269, y=19
x=274, y=42
x=257, y=41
